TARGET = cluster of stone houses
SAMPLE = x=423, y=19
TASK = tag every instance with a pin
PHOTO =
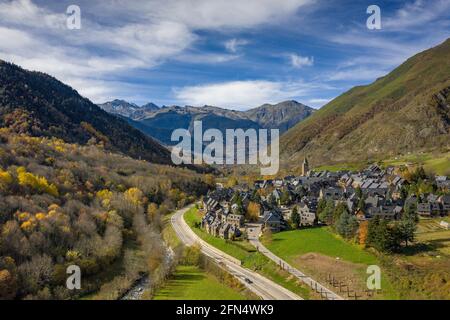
x=434, y=206
x=224, y=219
x=381, y=190
x=221, y=218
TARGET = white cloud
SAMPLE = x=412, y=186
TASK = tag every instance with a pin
x=355, y=74
x=26, y=13
x=319, y=101
x=242, y=94
x=119, y=36
x=209, y=58
x=233, y=44
x=218, y=14
x=298, y=61
x=416, y=13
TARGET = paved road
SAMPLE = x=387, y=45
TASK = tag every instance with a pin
x=326, y=293
x=261, y=286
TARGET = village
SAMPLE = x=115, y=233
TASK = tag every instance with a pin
x=292, y=202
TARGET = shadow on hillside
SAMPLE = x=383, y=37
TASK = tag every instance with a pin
x=418, y=248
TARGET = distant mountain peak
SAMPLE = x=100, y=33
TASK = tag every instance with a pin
x=160, y=123
x=127, y=109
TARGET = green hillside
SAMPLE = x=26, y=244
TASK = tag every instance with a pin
x=406, y=111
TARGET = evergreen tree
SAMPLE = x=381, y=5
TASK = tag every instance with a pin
x=326, y=215
x=347, y=225
x=339, y=210
x=406, y=230
x=285, y=197
x=383, y=236
x=358, y=192
x=407, y=226
x=321, y=206
x=295, y=218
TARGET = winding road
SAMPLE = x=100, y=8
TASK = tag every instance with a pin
x=261, y=286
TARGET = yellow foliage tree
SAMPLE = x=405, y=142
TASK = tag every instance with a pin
x=7, y=285
x=40, y=216
x=27, y=225
x=23, y=216
x=363, y=232
x=253, y=211
x=210, y=180
x=135, y=196
x=73, y=255
x=105, y=196
x=39, y=184
x=232, y=181
x=53, y=206
x=152, y=211
x=5, y=179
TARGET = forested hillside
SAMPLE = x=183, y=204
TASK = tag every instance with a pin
x=39, y=105
x=64, y=204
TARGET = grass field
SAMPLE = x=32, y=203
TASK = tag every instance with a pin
x=318, y=252
x=250, y=258
x=342, y=167
x=434, y=163
x=438, y=163
x=423, y=271
x=191, y=283
x=168, y=233
x=431, y=233
x=290, y=244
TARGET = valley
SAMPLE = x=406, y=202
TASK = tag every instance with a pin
x=364, y=181
x=161, y=122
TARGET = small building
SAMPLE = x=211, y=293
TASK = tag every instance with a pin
x=223, y=231
x=424, y=209
x=331, y=193
x=215, y=228
x=307, y=214
x=384, y=212
x=445, y=203
x=236, y=220
x=286, y=211
x=272, y=221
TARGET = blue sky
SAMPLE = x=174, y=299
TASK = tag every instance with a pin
x=228, y=53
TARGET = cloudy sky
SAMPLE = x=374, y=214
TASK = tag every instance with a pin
x=229, y=53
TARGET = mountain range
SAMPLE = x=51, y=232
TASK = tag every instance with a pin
x=160, y=122
x=406, y=111
x=127, y=109
x=37, y=104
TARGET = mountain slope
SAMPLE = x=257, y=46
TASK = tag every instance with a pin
x=37, y=104
x=160, y=123
x=283, y=115
x=405, y=111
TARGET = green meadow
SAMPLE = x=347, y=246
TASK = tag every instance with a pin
x=291, y=244
x=330, y=254
x=192, y=283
